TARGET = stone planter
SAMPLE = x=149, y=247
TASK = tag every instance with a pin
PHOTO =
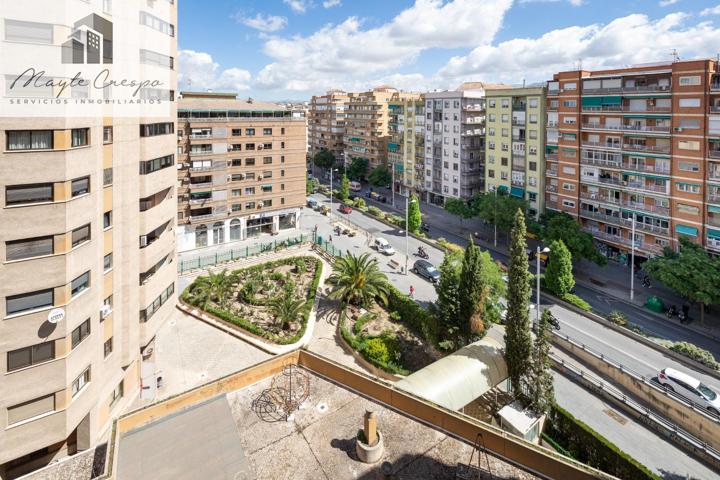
x=370, y=453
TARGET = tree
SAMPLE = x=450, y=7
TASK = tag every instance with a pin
x=213, y=287
x=458, y=207
x=447, y=305
x=518, y=341
x=344, y=192
x=380, y=176
x=558, y=275
x=497, y=208
x=357, y=169
x=414, y=215
x=691, y=272
x=286, y=309
x=312, y=184
x=324, y=159
x=358, y=280
x=480, y=285
x=561, y=226
x=541, y=392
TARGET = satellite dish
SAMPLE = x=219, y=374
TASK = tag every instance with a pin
x=56, y=315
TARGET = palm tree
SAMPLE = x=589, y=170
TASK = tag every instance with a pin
x=286, y=309
x=215, y=287
x=358, y=280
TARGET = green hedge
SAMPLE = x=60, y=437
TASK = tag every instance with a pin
x=584, y=444
x=696, y=353
x=573, y=299
x=360, y=344
x=251, y=327
x=413, y=315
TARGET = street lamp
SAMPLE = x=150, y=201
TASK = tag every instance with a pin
x=407, y=234
x=537, y=305
x=331, y=190
x=632, y=260
x=495, y=214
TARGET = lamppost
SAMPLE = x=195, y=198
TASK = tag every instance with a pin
x=632, y=260
x=407, y=234
x=495, y=214
x=331, y=190
x=537, y=305
x=392, y=185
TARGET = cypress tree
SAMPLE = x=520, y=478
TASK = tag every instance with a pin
x=518, y=341
x=558, y=275
x=540, y=384
x=470, y=289
x=448, y=301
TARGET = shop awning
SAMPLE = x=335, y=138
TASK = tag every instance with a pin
x=685, y=230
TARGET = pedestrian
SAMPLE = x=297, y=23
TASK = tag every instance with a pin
x=412, y=292
x=330, y=238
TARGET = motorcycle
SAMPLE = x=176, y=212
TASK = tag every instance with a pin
x=671, y=312
x=425, y=227
x=422, y=253
x=554, y=323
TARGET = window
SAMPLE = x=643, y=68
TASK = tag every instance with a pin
x=156, y=164
x=157, y=24
x=250, y=132
x=689, y=145
x=249, y=162
x=24, y=357
x=568, y=204
x=491, y=173
x=689, y=81
x=267, y=131
x=689, y=102
x=80, y=333
x=31, y=409
x=492, y=117
x=236, y=192
x=267, y=160
x=569, y=170
x=249, y=205
x=236, y=207
x=148, y=57
x=249, y=146
x=157, y=303
x=532, y=166
x=80, y=235
x=249, y=190
x=282, y=173
x=157, y=94
x=533, y=118
x=570, y=86
x=569, y=187
x=267, y=203
x=107, y=177
x=690, y=124
x=108, y=262
x=689, y=167
x=29, y=248
x=30, y=140
x=688, y=188
x=81, y=381
x=492, y=103
x=108, y=348
x=118, y=392
x=28, y=32
x=504, y=103
x=155, y=129
x=107, y=219
x=533, y=134
x=505, y=132
x=533, y=103
x=689, y=209
x=267, y=146
x=80, y=137
x=570, y=103
x=107, y=135
x=29, y=301
x=80, y=284
x=505, y=118
x=80, y=186
x=26, y=194
x=236, y=132
x=266, y=188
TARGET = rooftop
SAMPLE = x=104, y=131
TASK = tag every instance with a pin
x=223, y=101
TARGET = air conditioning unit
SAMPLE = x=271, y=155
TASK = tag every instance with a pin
x=259, y=147
x=105, y=311
x=242, y=176
x=143, y=241
x=260, y=177
x=260, y=205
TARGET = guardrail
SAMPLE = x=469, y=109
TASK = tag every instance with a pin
x=641, y=413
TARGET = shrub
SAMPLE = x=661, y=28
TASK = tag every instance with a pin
x=413, y=315
x=396, y=220
x=359, y=203
x=360, y=322
x=618, y=318
x=382, y=349
x=696, y=353
x=449, y=246
x=375, y=211
x=573, y=299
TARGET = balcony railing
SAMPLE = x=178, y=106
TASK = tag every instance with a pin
x=551, y=188
x=713, y=243
x=714, y=197
x=198, y=136
x=647, y=187
x=647, y=148
x=551, y=173
x=629, y=128
x=195, y=153
x=602, y=108
x=209, y=216
x=623, y=241
x=714, y=153
x=625, y=222
x=551, y=157
x=714, y=87
x=599, y=197
x=552, y=124
x=610, y=146
x=519, y=123
x=647, y=168
x=601, y=162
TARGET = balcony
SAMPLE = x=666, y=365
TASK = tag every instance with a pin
x=634, y=147
x=628, y=128
x=200, y=136
x=714, y=153
x=197, y=153
x=712, y=243
x=551, y=173
x=647, y=168
x=715, y=87
x=197, y=186
x=552, y=124
x=714, y=109
x=665, y=211
x=608, y=146
x=713, y=197
x=625, y=222
x=602, y=108
x=551, y=157
x=209, y=216
x=623, y=241
x=519, y=122
x=521, y=106
x=598, y=162
x=600, y=126
x=551, y=188
x=647, y=187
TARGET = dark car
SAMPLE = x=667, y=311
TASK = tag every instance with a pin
x=346, y=209
x=427, y=270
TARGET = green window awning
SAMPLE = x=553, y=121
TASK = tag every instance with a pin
x=517, y=192
x=645, y=155
x=615, y=100
x=502, y=189
x=684, y=230
x=354, y=139
x=592, y=101
x=657, y=95
x=647, y=175
x=399, y=167
x=551, y=147
x=713, y=209
x=648, y=115
x=713, y=233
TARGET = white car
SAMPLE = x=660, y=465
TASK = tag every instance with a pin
x=384, y=247
x=690, y=388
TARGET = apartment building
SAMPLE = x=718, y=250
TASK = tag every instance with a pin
x=87, y=250
x=515, y=144
x=638, y=145
x=406, y=143
x=455, y=142
x=242, y=171
x=326, y=123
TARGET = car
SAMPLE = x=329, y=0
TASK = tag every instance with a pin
x=324, y=209
x=346, y=209
x=355, y=186
x=312, y=203
x=426, y=270
x=382, y=246
x=691, y=388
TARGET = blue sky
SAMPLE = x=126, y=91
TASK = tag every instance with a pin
x=292, y=49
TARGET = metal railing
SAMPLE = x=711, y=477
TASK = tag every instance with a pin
x=714, y=153
x=647, y=148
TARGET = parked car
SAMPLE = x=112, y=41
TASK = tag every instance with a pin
x=312, y=203
x=346, y=209
x=384, y=247
x=355, y=186
x=691, y=388
x=325, y=210
x=427, y=270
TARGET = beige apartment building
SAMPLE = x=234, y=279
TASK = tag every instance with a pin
x=87, y=249
x=406, y=143
x=515, y=144
x=242, y=169
x=326, y=123
x=638, y=145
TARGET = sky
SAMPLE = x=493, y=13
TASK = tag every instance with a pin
x=293, y=49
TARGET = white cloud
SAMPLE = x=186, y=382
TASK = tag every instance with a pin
x=331, y=3
x=575, y=3
x=711, y=11
x=667, y=3
x=262, y=22
x=347, y=53
x=198, y=71
x=298, y=6
x=627, y=40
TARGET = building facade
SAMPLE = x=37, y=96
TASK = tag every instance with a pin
x=242, y=172
x=638, y=146
x=326, y=123
x=515, y=144
x=406, y=144
x=455, y=142
x=87, y=252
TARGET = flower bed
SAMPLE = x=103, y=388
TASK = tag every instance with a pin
x=250, y=301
